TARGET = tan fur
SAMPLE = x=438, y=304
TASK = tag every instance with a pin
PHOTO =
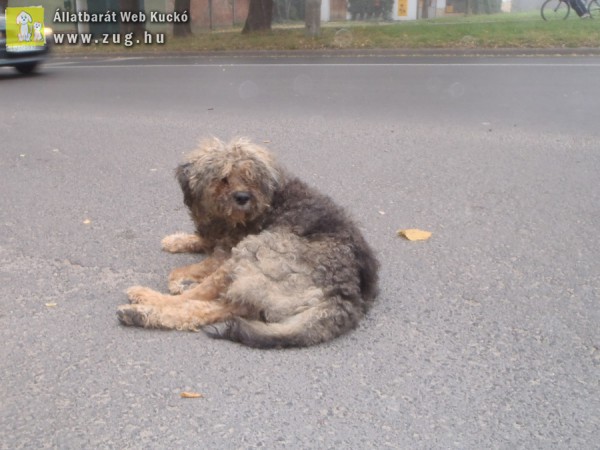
x=195, y=273
x=182, y=243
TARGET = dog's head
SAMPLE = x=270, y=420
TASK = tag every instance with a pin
x=234, y=182
x=23, y=18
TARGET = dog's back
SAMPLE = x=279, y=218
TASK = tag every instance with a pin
x=308, y=277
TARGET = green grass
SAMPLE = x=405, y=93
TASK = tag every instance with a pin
x=523, y=30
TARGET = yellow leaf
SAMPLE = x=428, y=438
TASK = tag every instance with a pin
x=87, y=221
x=50, y=305
x=190, y=395
x=414, y=234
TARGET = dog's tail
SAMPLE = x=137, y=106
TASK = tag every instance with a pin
x=312, y=326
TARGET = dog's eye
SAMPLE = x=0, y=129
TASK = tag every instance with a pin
x=224, y=180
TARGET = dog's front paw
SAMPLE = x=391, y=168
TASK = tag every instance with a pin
x=181, y=243
x=133, y=315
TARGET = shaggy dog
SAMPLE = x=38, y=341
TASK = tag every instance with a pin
x=286, y=267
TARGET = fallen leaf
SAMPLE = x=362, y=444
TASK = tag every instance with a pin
x=87, y=221
x=190, y=395
x=51, y=305
x=414, y=234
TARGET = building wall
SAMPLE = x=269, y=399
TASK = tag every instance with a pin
x=338, y=9
x=526, y=5
x=405, y=10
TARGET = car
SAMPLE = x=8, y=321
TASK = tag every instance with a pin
x=24, y=61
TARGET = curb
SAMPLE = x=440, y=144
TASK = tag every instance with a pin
x=348, y=53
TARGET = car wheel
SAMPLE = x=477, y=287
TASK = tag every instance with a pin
x=26, y=68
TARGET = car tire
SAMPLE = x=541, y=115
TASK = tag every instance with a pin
x=26, y=68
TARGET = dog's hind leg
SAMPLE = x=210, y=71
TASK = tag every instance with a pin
x=209, y=289
x=194, y=308
x=185, y=315
x=145, y=296
x=187, y=277
x=312, y=326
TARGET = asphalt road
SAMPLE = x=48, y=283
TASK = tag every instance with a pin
x=485, y=336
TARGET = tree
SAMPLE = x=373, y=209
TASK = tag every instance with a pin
x=183, y=29
x=135, y=7
x=312, y=17
x=260, y=15
x=425, y=9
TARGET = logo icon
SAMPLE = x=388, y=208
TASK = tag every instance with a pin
x=25, y=29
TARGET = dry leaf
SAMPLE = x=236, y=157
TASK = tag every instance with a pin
x=190, y=395
x=51, y=305
x=87, y=221
x=414, y=234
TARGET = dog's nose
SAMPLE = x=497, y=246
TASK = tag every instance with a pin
x=241, y=198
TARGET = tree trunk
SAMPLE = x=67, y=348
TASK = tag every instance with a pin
x=312, y=18
x=183, y=29
x=136, y=27
x=425, y=10
x=260, y=15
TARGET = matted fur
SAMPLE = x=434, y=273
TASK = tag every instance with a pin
x=286, y=267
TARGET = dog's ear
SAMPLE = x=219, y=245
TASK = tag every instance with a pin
x=182, y=175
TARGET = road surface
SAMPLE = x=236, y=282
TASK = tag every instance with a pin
x=485, y=336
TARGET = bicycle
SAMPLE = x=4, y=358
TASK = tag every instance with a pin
x=594, y=8
x=560, y=9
